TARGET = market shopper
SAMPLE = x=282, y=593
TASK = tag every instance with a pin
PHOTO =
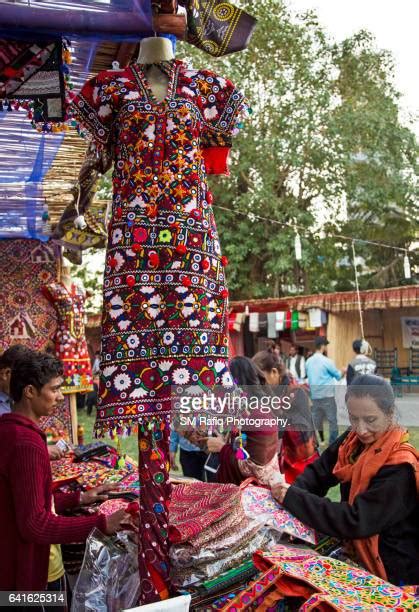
x=30, y=531
x=296, y=364
x=361, y=363
x=298, y=441
x=261, y=444
x=192, y=458
x=8, y=360
x=378, y=473
x=322, y=375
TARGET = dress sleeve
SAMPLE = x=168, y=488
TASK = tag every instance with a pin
x=93, y=108
x=223, y=108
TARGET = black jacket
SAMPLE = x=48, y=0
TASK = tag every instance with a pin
x=388, y=507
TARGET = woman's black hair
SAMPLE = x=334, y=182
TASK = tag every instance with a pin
x=268, y=360
x=36, y=369
x=245, y=372
x=374, y=387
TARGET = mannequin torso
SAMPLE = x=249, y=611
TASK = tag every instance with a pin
x=153, y=51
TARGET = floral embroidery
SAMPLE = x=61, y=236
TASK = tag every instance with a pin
x=165, y=296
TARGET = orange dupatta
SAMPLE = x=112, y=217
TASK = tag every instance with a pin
x=391, y=449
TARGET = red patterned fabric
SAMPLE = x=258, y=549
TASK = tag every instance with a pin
x=165, y=296
x=195, y=507
x=70, y=340
x=26, y=317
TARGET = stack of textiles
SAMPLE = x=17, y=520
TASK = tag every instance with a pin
x=259, y=505
x=210, y=532
x=307, y=581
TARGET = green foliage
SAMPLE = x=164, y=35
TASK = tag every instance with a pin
x=325, y=148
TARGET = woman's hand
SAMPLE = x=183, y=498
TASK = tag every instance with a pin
x=215, y=444
x=279, y=491
x=55, y=453
x=97, y=494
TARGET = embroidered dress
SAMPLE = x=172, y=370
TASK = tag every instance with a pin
x=165, y=298
x=70, y=339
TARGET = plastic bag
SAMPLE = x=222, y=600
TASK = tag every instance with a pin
x=109, y=579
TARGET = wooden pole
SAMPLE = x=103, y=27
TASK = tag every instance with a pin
x=73, y=415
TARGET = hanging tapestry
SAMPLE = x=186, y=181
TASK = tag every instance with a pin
x=217, y=27
x=33, y=70
x=58, y=424
x=26, y=317
x=70, y=339
x=259, y=503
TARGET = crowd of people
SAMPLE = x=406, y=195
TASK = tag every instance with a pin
x=370, y=460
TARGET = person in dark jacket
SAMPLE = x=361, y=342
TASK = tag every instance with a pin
x=361, y=363
x=378, y=472
x=30, y=529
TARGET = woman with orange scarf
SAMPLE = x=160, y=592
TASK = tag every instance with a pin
x=378, y=472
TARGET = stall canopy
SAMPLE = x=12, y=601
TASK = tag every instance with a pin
x=395, y=297
x=38, y=170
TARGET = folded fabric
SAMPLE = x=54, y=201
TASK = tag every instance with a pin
x=196, y=506
x=271, y=325
x=280, y=321
x=258, y=503
x=329, y=584
x=254, y=322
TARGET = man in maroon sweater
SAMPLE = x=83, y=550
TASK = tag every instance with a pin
x=28, y=527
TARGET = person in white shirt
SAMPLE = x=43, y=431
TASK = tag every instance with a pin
x=296, y=364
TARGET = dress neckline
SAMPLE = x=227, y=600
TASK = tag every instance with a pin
x=169, y=68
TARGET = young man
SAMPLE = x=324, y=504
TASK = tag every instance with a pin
x=8, y=361
x=322, y=374
x=30, y=531
x=296, y=364
x=361, y=363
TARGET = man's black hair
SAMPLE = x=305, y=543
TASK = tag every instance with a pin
x=36, y=369
x=12, y=355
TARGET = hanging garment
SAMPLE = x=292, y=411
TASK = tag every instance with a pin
x=302, y=320
x=254, y=322
x=280, y=321
x=33, y=71
x=165, y=298
x=70, y=339
x=315, y=317
x=294, y=320
x=288, y=315
x=263, y=323
x=217, y=27
x=271, y=325
x=240, y=319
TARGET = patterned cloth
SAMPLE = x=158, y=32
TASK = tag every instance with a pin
x=33, y=71
x=258, y=503
x=165, y=298
x=70, y=340
x=26, y=317
x=196, y=506
x=217, y=27
x=58, y=424
x=336, y=586
x=155, y=490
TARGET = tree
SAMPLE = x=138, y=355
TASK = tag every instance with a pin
x=324, y=143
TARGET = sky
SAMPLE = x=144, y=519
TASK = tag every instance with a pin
x=394, y=24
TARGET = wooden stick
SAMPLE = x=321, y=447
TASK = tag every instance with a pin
x=73, y=415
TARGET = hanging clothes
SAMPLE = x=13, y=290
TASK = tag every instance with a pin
x=302, y=320
x=280, y=321
x=165, y=310
x=271, y=325
x=294, y=320
x=254, y=322
x=315, y=317
x=70, y=339
x=165, y=314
